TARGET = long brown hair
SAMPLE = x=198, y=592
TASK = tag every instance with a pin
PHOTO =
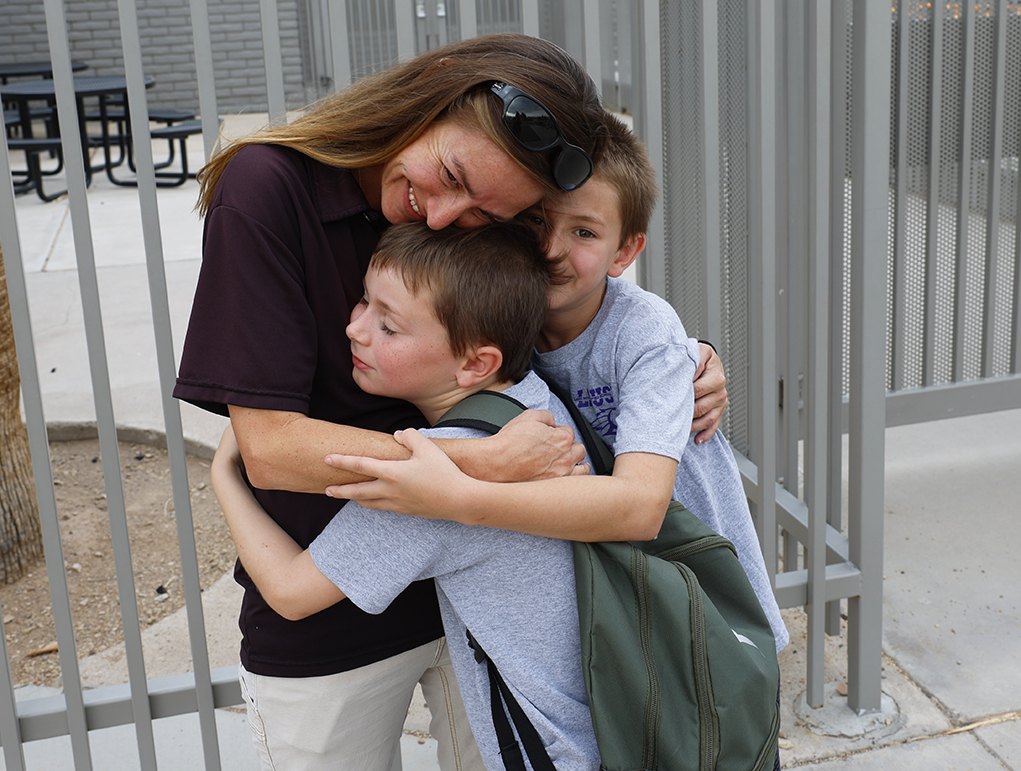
x=374, y=119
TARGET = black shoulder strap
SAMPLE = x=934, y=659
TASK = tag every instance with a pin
x=510, y=750
x=489, y=411
x=599, y=452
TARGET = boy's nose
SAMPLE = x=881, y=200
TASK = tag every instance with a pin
x=353, y=326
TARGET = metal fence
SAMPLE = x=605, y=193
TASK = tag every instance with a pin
x=838, y=180
x=841, y=215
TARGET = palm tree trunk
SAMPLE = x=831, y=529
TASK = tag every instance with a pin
x=20, y=537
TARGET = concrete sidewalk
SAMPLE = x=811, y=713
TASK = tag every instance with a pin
x=952, y=591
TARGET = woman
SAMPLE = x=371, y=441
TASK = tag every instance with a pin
x=473, y=132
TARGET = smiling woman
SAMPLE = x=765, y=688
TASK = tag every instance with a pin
x=467, y=134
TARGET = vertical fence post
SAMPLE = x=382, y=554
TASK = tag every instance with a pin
x=270, y=16
x=961, y=269
x=762, y=256
x=649, y=128
x=710, y=108
x=468, y=19
x=993, y=258
x=932, y=194
x=340, y=48
x=870, y=164
x=206, y=85
x=817, y=360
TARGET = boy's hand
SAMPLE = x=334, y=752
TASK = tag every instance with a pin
x=228, y=460
x=428, y=484
x=710, y=394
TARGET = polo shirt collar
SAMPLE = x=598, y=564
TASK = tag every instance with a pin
x=336, y=195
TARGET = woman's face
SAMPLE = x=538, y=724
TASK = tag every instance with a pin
x=453, y=175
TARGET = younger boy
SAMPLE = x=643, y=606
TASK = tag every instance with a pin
x=445, y=314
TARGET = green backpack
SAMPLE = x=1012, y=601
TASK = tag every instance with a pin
x=679, y=660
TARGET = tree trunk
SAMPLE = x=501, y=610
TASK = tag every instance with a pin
x=20, y=537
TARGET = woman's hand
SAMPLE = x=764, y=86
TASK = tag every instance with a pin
x=532, y=446
x=710, y=394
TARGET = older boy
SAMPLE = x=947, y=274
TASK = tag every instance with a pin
x=444, y=315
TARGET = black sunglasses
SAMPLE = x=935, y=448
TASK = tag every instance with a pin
x=535, y=128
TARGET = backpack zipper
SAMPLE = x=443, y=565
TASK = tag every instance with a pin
x=708, y=726
x=640, y=570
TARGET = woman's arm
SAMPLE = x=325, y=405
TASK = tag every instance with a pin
x=284, y=573
x=285, y=450
x=628, y=506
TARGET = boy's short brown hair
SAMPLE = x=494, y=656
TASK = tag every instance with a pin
x=626, y=168
x=490, y=285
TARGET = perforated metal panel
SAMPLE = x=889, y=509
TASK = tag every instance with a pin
x=683, y=184
x=683, y=204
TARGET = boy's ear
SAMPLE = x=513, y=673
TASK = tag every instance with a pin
x=479, y=365
x=627, y=255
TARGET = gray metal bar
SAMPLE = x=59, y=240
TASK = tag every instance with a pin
x=404, y=21
x=206, y=85
x=10, y=729
x=340, y=46
x=649, y=128
x=792, y=235
x=106, y=707
x=817, y=364
x=791, y=512
x=869, y=215
x=961, y=284
x=932, y=197
x=139, y=116
x=993, y=259
x=712, y=247
x=590, y=24
x=843, y=579
x=171, y=409
x=270, y=17
x=838, y=144
x=530, y=18
x=468, y=19
x=74, y=167
x=762, y=255
x=900, y=305
x=955, y=400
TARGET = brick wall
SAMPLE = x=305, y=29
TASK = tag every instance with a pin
x=167, y=49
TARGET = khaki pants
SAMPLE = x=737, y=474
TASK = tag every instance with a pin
x=352, y=721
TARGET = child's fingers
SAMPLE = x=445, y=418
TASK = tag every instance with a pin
x=358, y=464
x=362, y=492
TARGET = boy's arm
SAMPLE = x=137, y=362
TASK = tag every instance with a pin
x=285, y=450
x=628, y=506
x=283, y=572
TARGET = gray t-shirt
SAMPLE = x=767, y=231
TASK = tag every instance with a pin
x=630, y=373
x=515, y=592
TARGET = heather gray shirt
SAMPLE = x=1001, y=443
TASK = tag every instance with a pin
x=630, y=373
x=515, y=592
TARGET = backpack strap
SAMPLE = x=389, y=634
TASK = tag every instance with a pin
x=487, y=411
x=510, y=750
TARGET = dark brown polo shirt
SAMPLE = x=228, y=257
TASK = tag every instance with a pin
x=286, y=244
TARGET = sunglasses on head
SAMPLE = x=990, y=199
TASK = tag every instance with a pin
x=535, y=128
